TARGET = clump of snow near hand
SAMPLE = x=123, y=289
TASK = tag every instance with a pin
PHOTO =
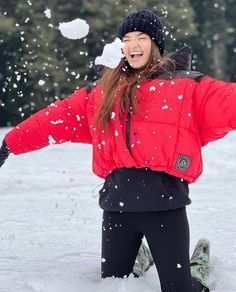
x=111, y=55
x=75, y=29
x=48, y=13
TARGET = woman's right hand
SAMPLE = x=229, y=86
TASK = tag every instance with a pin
x=4, y=153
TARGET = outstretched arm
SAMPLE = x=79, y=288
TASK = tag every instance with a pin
x=62, y=121
x=216, y=108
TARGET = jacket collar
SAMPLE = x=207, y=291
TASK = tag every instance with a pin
x=182, y=58
x=181, y=61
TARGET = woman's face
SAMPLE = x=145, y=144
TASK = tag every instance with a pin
x=137, y=49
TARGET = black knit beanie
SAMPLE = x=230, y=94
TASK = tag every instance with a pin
x=145, y=21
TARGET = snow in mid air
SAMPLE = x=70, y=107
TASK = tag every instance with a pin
x=75, y=29
x=111, y=55
x=48, y=13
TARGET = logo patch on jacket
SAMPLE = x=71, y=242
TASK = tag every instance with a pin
x=183, y=163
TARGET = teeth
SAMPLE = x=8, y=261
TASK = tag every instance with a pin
x=136, y=53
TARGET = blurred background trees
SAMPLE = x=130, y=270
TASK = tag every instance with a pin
x=39, y=65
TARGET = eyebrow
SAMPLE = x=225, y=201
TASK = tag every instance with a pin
x=140, y=33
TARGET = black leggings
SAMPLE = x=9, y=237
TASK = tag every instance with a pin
x=167, y=234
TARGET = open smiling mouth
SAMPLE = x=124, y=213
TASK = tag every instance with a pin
x=135, y=55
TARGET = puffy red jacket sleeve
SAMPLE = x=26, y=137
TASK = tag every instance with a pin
x=62, y=121
x=216, y=108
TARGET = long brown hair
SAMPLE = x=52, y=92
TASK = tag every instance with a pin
x=123, y=82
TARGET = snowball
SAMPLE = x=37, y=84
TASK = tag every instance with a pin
x=48, y=13
x=111, y=54
x=75, y=29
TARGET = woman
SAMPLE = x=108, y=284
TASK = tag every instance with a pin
x=147, y=120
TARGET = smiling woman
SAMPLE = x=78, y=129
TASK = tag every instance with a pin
x=137, y=49
x=144, y=44
x=147, y=120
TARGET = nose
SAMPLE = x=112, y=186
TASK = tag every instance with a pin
x=133, y=44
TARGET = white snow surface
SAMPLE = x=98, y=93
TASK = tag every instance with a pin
x=50, y=222
x=75, y=29
x=111, y=54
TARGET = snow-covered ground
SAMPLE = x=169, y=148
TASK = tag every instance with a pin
x=50, y=222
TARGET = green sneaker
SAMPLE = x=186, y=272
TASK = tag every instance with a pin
x=200, y=263
x=143, y=261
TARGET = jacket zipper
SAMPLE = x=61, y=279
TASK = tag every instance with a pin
x=128, y=126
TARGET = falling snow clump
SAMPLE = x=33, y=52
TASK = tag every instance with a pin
x=111, y=55
x=75, y=29
x=48, y=13
x=41, y=82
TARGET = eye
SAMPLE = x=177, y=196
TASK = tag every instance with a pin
x=125, y=40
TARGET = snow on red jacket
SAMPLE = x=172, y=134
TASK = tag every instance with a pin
x=179, y=113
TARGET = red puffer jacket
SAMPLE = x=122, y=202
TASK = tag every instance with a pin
x=179, y=112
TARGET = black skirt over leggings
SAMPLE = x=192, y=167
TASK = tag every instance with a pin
x=167, y=234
